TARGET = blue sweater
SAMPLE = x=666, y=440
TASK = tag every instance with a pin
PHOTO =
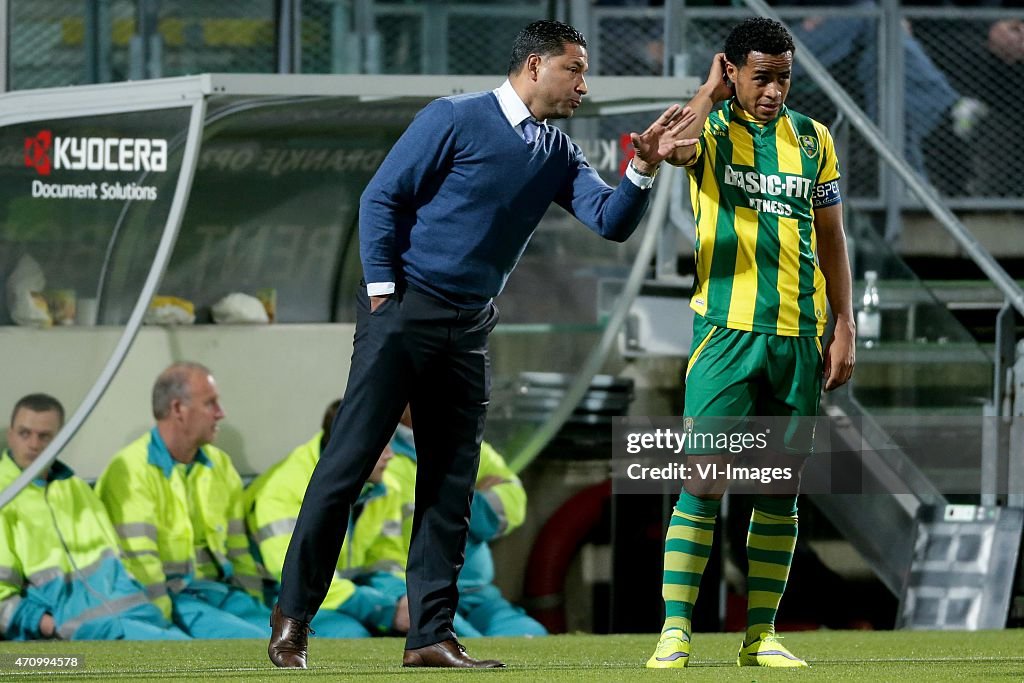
x=456, y=200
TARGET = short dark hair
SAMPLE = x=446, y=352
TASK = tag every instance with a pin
x=173, y=384
x=329, y=414
x=38, y=403
x=757, y=34
x=543, y=38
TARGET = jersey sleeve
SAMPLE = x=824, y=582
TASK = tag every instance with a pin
x=701, y=146
x=826, y=185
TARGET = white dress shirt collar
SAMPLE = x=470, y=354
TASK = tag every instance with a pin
x=516, y=111
x=512, y=106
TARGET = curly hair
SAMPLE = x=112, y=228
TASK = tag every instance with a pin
x=758, y=34
x=543, y=38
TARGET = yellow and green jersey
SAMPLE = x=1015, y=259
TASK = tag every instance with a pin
x=754, y=191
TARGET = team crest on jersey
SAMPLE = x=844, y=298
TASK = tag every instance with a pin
x=688, y=425
x=809, y=144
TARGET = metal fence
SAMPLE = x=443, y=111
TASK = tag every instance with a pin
x=67, y=42
x=47, y=44
x=357, y=36
x=950, y=118
x=626, y=41
x=983, y=59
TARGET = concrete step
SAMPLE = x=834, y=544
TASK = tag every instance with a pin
x=998, y=231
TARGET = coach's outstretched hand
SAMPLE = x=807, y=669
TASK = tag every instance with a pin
x=661, y=138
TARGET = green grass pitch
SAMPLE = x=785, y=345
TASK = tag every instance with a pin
x=921, y=657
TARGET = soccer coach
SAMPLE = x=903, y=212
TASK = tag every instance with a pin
x=442, y=224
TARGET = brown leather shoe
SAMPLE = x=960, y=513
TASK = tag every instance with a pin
x=288, y=641
x=447, y=653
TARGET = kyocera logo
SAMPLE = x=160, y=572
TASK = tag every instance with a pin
x=37, y=152
x=44, y=153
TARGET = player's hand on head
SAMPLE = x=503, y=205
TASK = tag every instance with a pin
x=718, y=84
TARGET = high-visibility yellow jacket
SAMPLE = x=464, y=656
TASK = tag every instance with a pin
x=370, y=576
x=496, y=511
x=59, y=555
x=178, y=522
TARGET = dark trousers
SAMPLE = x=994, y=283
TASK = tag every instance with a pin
x=418, y=350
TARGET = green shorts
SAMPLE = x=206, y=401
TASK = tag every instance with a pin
x=733, y=373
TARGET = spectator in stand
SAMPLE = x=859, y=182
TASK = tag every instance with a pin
x=989, y=64
x=930, y=99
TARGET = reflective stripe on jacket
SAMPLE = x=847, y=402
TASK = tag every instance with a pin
x=496, y=512
x=59, y=555
x=177, y=522
x=373, y=543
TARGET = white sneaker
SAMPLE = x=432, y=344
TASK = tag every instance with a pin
x=967, y=114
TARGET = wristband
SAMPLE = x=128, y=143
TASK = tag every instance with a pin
x=641, y=173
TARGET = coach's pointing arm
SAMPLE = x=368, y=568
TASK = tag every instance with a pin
x=615, y=214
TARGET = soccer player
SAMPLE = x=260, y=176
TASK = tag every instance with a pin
x=441, y=226
x=770, y=251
